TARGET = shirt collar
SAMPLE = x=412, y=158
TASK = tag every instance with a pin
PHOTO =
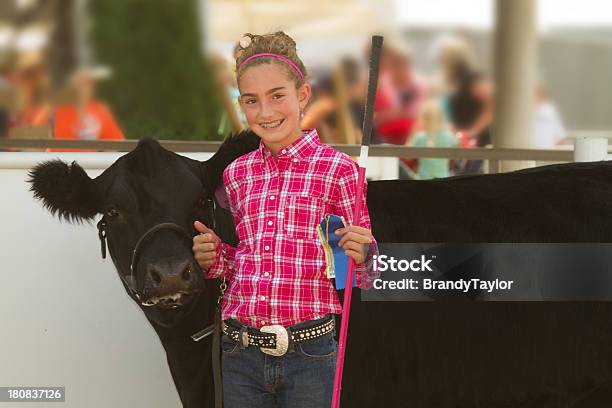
x=299, y=149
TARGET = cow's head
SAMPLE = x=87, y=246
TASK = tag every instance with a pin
x=148, y=201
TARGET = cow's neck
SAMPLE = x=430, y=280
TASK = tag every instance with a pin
x=190, y=361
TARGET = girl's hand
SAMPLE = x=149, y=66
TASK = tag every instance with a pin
x=205, y=245
x=355, y=241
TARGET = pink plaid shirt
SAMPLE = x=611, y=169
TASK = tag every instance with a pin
x=276, y=275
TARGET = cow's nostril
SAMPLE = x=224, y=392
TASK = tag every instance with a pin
x=187, y=273
x=155, y=277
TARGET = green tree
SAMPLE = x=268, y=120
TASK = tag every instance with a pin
x=161, y=84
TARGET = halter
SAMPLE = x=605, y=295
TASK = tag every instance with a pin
x=130, y=279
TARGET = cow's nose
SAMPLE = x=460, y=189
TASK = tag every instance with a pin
x=168, y=277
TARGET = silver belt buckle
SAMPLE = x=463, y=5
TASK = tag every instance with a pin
x=282, y=340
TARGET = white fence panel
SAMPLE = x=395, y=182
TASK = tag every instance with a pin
x=65, y=317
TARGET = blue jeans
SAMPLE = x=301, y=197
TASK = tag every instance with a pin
x=301, y=378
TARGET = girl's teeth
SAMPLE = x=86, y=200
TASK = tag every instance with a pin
x=272, y=124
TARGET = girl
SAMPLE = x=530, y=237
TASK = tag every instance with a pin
x=433, y=134
x=278, y=325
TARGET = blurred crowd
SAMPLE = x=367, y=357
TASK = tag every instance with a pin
x=452, y=106
x=31, y=106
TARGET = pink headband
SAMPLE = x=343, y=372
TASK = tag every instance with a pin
x=279, y=57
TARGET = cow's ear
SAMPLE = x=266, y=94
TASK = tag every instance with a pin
x=65, y=189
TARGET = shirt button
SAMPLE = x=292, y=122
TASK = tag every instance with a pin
x=266, y=273
x=295, y=160
x=270, y=223
x=271, y=197
x=267, y=247
x=284, y=151
x=263, y=322
x=262, y=298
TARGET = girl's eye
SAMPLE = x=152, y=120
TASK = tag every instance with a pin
x=277, y=96
x=249, y=101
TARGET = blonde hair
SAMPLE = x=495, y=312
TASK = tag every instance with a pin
x=277, y=43
x=456, y=56
x=432, y=115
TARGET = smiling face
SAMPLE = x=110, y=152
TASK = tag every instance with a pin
x=272, y=104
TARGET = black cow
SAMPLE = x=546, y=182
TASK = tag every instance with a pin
x=143, y=190
x=399, y=354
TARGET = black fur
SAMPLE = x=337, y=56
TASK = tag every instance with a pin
x=232, y=148
x=65, y=190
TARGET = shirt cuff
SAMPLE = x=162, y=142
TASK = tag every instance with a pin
x=366, y=275
x=224, y=262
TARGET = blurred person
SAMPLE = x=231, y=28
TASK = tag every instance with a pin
x=31, y=80
x=548, y=127
x=399, y=96
x=5, y=95
x=434, y=134
x=226, y=81
x=86, y=118
x=30, y=77
x=467, y=96
x=8, y=96
x=322, y=114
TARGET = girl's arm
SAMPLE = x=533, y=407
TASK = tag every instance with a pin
x=482, y=90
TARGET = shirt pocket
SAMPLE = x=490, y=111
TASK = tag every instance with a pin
x=302, y=214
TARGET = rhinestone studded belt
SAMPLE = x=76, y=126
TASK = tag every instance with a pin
x=274, y=339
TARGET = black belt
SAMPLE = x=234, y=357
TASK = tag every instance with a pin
x=274, y=339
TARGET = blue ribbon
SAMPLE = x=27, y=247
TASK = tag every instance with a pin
x=337, y=260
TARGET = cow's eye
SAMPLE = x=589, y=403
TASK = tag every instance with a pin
x=112, y=213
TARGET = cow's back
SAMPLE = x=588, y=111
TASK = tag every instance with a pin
x=561, y=203
x=494, y=354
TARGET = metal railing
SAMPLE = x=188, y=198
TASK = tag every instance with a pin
x=375, y=150
x=494, y=156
